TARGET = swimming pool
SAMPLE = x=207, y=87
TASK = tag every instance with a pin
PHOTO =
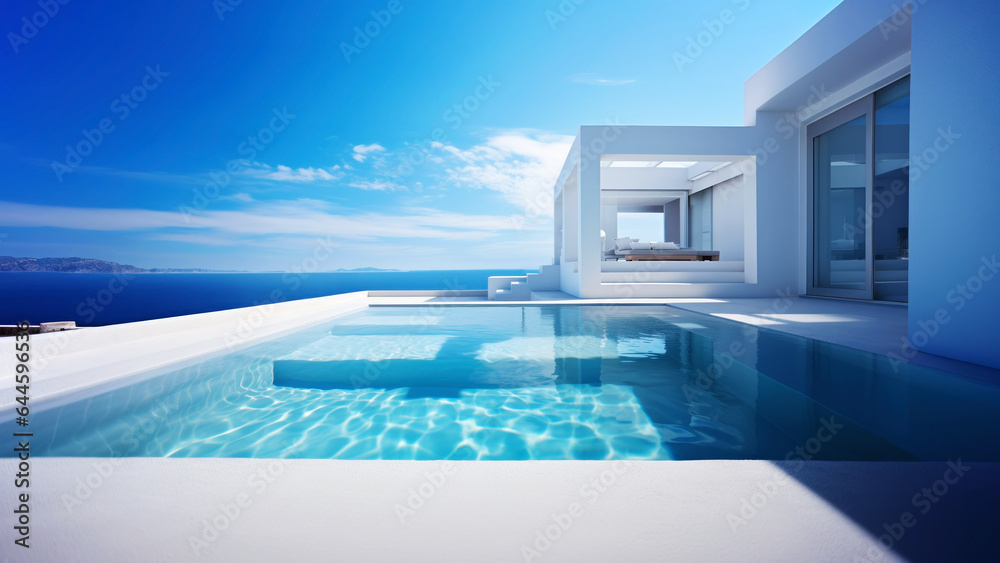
x=535, y=382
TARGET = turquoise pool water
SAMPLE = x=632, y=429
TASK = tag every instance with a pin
x=517, y=383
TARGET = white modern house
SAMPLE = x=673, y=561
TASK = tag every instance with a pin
x=861, y=172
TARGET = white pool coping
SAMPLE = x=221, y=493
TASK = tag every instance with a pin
x=64, y=364
x=94, y=509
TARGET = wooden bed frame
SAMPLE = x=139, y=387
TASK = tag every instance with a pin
x=687, y=255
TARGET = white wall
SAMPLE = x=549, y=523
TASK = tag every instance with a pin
x=609, y=223
x=727, y=219
x=954, y=193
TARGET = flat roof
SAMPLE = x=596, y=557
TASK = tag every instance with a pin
x=847, y=44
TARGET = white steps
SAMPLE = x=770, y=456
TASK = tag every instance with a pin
x=519, y=288
x=517, y=291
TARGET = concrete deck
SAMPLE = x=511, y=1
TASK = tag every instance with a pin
x=224, y=510
x=880, y=328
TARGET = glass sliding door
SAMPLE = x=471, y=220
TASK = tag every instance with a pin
x=891, y=205
x=840, y=199
x=858, y=194
x=700, y=220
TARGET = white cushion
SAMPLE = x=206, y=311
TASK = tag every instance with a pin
x=642, y=245
x=623, y=243
x=664, y=246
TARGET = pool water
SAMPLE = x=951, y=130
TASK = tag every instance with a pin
x=521, y=383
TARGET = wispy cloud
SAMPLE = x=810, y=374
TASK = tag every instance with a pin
x=145, y=176
x=282, y=173
x=256, y=170
x=293, y=217
x=288, y=174
x=377, y=185
x=361, y=151
x=597, y=80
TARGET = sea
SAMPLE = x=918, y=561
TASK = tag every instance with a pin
x=105, y=299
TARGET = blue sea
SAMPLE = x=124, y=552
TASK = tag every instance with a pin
x=104, y=299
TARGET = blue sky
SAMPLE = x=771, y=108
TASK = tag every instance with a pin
x=201, y=134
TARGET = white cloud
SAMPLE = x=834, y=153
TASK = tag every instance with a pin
x=30, y=215
x=287, y=174
x=522, y=167
x=361, y=151
x=283, y=173
x=273, y=218
x=596, y=80
x=377, y=185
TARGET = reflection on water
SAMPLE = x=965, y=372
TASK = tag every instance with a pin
x=617, y=382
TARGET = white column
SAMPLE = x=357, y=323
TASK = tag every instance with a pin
x=589, y=229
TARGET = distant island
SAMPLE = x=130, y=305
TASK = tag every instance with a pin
x=87, y=266
x=94, y=266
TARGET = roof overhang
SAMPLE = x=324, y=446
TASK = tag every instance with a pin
x=856, y=38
